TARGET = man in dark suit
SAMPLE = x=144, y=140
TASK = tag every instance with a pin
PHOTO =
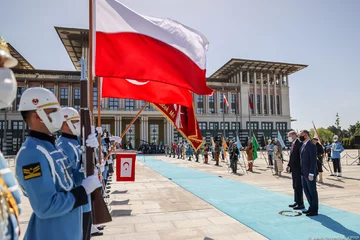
x=308, y=163
x=295, y=169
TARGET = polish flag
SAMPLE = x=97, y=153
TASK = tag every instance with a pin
x=133, y=46
x=226, y=102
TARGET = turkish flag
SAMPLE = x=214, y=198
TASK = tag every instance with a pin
x=150, y=91
x=251, y=103
x=184, y=119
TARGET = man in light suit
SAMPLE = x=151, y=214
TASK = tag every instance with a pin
x=309, y=172
x=295, y=168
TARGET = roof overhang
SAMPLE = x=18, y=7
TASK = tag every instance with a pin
x=22, y=62
x=236, y=65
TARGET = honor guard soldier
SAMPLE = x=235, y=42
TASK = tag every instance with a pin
x=336, y=150
x=9, y=190
x=69, y=142
x=45, y=173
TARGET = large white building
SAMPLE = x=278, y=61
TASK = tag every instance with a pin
x=266, y=83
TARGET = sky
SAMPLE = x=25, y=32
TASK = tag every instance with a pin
x=323, y=34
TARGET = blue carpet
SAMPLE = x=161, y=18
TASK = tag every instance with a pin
x=259, y=208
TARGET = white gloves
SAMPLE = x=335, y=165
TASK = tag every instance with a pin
x=99, y=130
x=91, y=183
x=115, y=139
x=92, y=141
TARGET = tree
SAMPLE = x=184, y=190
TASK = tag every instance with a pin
x=325, y=134
x=334, y=130
x=337, y=122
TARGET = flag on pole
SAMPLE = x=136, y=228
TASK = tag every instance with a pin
x=137, y=47
x=280, y=139
x=316, y=132
x=251, y=103
x=212, y=142
x=238, y=144
x=256, y=147
x=225, y=146
x=226, y=102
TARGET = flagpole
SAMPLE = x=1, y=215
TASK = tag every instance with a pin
x=223, y=118
x=249, y=115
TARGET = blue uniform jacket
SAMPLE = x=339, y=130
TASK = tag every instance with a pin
x=6, y=174
x=308, y=160
x=44, y=174
x=270, y=149
x=72, y=149
x=336, y=150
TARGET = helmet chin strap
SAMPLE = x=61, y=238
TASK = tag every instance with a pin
x=46, y=121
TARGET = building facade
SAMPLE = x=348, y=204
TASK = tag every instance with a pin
x=265, y=83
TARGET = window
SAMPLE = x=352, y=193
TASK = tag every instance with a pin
x=154, y=133
x=95, y=97
x=221, y=110
x=130, y=135
x=271, y=104
x=226, y=125
x=233, y=104
x=17, y=139
x=113, y=103
x=252, y=100
x=64, y=97
x=278, y=104
x=20, y=91
x=213, y=125
x=265, y=105
x=235, y=126
x=212, y=104
x=51, y=90
x=77, y=98
x=282, y=126
x=129, y=104
x=147, y=108
x=254, y=125
x=202, y=125
x=267, y=125
x=258, y=104
x=200, y=104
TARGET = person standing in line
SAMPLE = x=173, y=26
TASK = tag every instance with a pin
x=294, y=168
x=309, y=173
x=234, y=153
x=206, y=154
x=270, y=151
x=278, y=159
x=249, y=152
x=320, y=156
x=336, y=149
x=217, y=153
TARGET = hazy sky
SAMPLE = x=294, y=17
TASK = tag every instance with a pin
x=324, y=34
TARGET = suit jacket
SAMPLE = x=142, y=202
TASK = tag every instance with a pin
x=308, y=159
x=294, y=162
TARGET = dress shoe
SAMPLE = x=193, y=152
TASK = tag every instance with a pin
x=293, y=205
x=100, y=228
x=299, y=207
x=310, y=214
x=305, y=211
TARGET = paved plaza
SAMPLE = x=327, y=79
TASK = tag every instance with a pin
x=154, y=207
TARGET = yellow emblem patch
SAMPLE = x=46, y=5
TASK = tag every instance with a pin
x=32, y=171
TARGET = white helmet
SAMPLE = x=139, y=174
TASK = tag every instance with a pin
x=8, y=87
x=37, y=99
x=9, y=61
x=335, y=138
x=69, y=114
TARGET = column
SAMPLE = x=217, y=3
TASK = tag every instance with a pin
x=165, y=132
x=56, y=89
x=70, y=102
x=262, y=93
x=120, y=126
x=275, y=107
x=206, y=104
x=248, y=77
x=268, y=87
x=217, y=101
x=146, y=128
x=116, y=126
x=241, y=78
x=287, y=80
x=229, y=100
x=255, y=95
x=195, y=100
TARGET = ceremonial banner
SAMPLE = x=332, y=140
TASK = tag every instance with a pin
x=256, y=147
x=184, y=119
x=125, y=166
x=133, y=46
x=149, y=91
x=280, y=139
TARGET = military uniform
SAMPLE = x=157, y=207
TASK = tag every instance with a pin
x=234, y=154
x=45, y=176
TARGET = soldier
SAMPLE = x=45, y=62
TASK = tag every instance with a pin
x=249, y=151
x=270, y=151
x=217, y=153
x=320, y=156
x=10, y=206
x=45, y=174
x=234, y=153
x=69, y=142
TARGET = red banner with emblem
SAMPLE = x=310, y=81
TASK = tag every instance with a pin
x=184, y=119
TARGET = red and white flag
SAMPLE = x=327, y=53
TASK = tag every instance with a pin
x=133, y=46
x=226, y=102
x=251, y=103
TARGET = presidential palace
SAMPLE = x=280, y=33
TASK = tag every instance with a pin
x=267, y=84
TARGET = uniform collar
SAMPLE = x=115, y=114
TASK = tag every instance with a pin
x=42, y=136
x=71, y=136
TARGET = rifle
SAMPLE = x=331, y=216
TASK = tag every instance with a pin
x=100, y=212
